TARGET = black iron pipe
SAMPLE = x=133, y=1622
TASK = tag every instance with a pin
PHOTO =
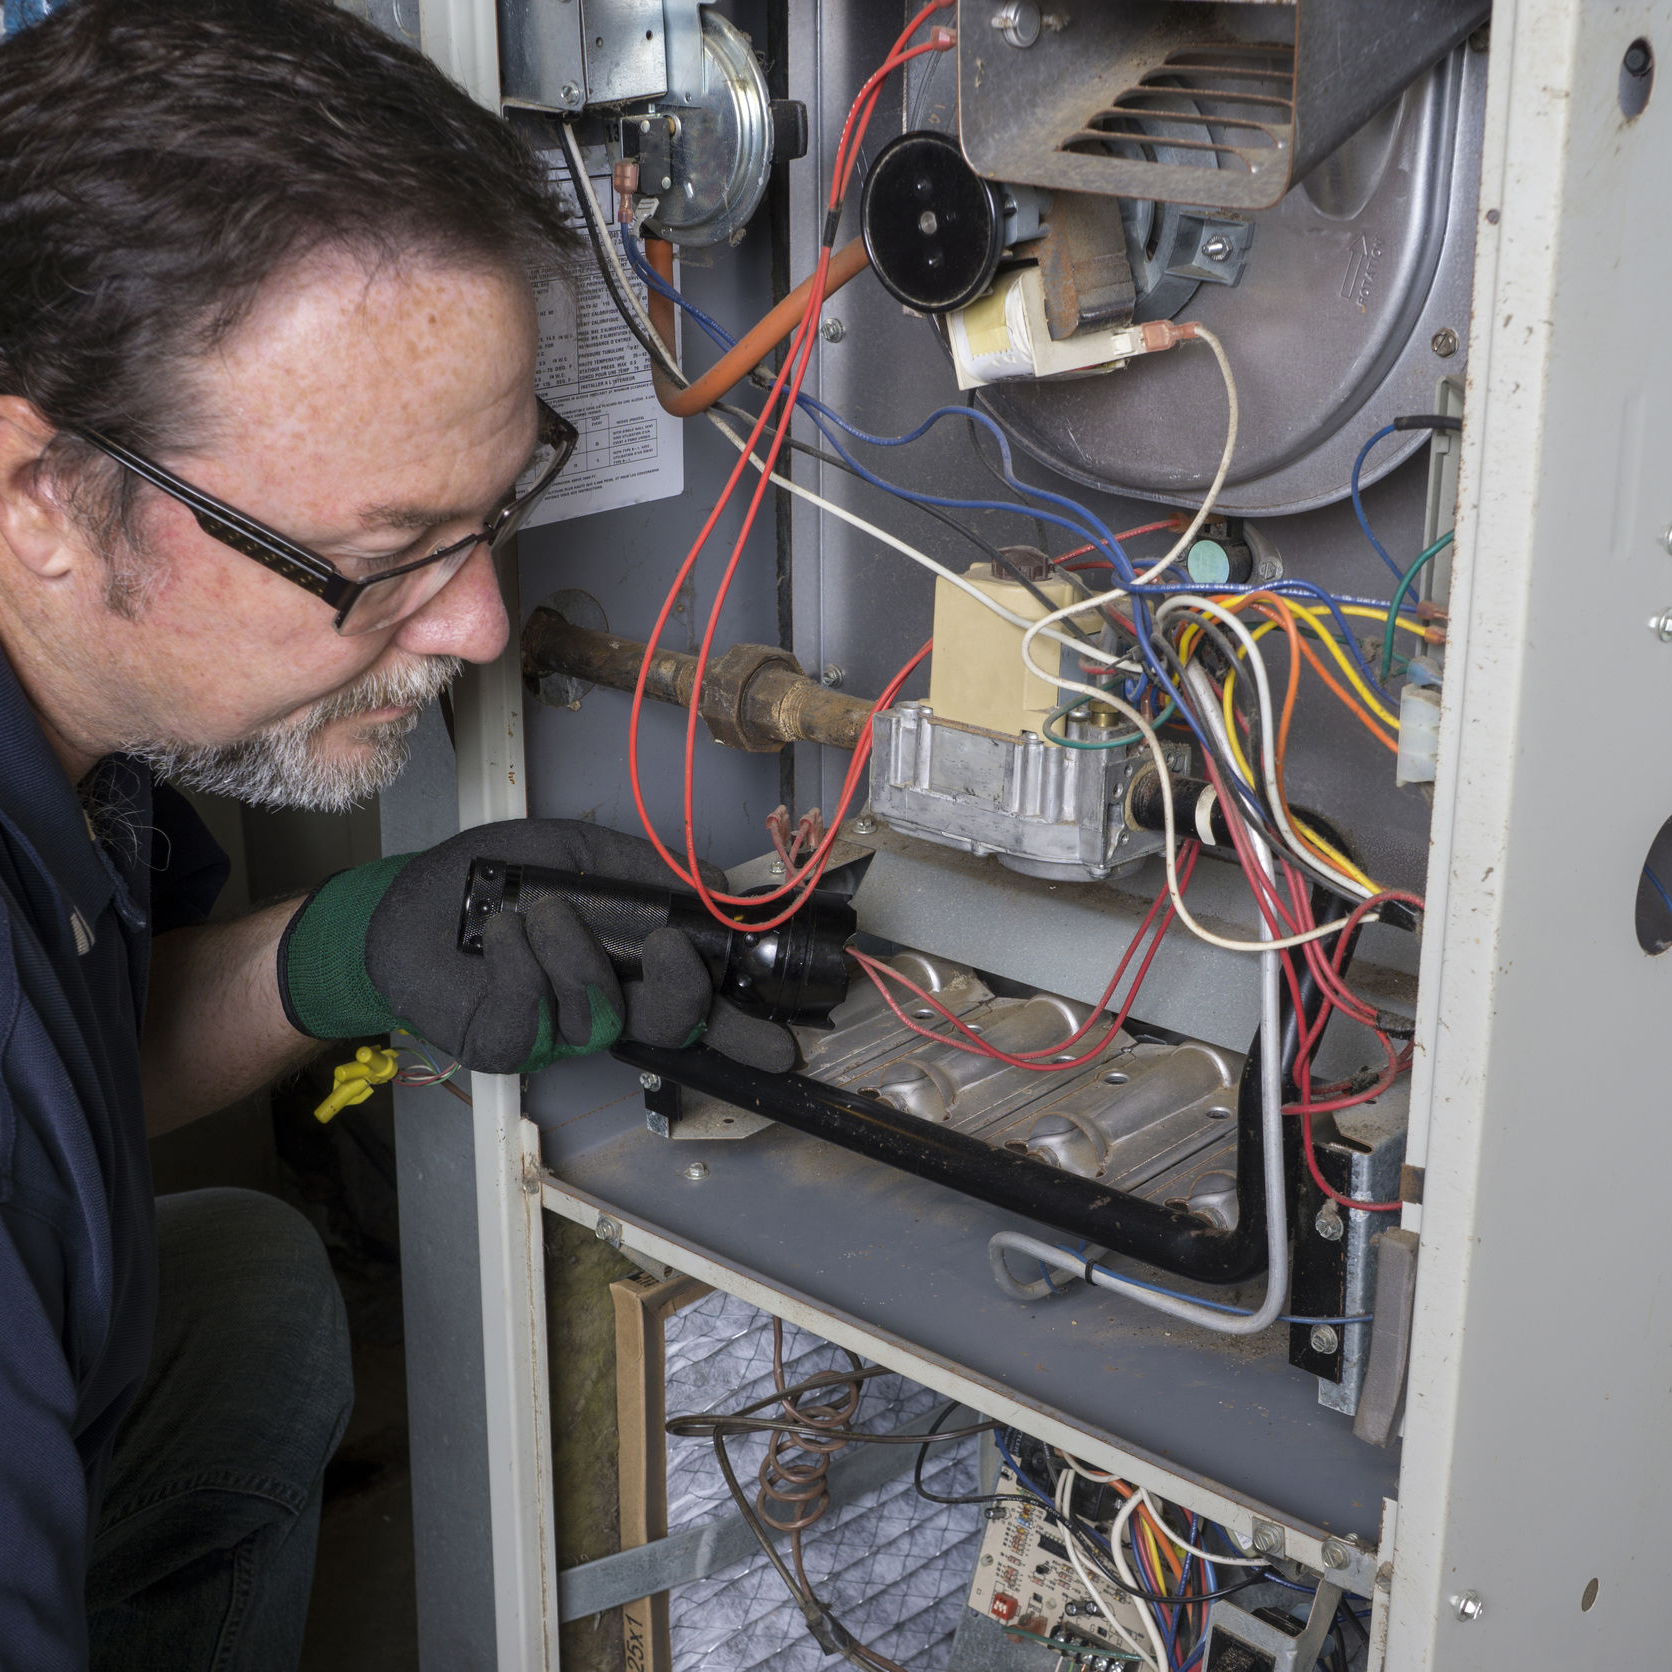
x=1171, y=1238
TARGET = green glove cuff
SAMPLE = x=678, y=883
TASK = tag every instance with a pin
x=322, y=958
x=550, y=1048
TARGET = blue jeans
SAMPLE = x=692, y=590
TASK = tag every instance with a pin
x=204, y=1554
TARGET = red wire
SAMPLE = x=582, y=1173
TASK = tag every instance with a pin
x=792, y=372
x=978, y=1046
x=1171, y=524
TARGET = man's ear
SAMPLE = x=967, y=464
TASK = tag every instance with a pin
x=33, y=524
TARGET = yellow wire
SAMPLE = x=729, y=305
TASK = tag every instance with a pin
x=1334, y=855
x=1154, y=1551
x=1408, y=622
x=1328, y=852
x=1313, y=619
x=1343, y=662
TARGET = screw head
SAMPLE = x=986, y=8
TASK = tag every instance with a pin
x=606, y=1230
x=1329, y=1224
x=832, y=676
x=1217, y=248
x=833, y=330
x=986, y=1561
x=570, y=93
x=1468, y=1607
x=776, y=867
x=1324, y=1339
x=1661, y=625
x=1444, y=342
x=651, y=1082
x=1267, y=1539
x=1337, y=1554
x=1666, y=537
x=697, y=1170
x=864, y=825
x=1018, y=21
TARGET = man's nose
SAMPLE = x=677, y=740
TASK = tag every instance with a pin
x=465, y=618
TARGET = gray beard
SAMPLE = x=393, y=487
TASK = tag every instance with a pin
x=282, y=765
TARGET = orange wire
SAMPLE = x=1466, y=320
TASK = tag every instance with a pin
x=1365, y=718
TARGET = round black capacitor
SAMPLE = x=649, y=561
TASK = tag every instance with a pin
x=933, y=227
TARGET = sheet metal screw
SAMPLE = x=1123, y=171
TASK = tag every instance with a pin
x=833, y=330
x=1267, y=1539
x=864, y=825
x=1444, y=342
x=776, y=867
x=570, y=93
x=1384, y=1577
x=832, y=677
x=1337, y=1554
x=1468, y=1607
x=1661, y=625
x=608, y=1231
x=1325, y=1340
x=1217, y=248
x=697, y=1170
x=1329, y=1224
x=1666, y=538
x=651, y=1082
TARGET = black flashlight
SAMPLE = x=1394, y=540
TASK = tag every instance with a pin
x=793, y=973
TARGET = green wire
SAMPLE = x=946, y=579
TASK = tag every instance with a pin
x=1084, y=743
x=1399, y=598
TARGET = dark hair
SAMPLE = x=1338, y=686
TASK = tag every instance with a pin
x=161, y=159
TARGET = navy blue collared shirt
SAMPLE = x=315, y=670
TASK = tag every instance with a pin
x=78, y=1263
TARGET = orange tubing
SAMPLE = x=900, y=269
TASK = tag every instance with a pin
x=755, y=345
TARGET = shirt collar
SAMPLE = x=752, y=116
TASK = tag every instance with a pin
x=40, y=804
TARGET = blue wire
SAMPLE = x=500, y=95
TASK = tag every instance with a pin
x=1089, y=526
x=1364, y=521
x=724, y=339
x=1660, y=887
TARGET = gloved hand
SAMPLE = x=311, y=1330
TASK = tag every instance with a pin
x=378, y=947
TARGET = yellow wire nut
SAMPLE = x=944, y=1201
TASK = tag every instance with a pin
x=353, y=1081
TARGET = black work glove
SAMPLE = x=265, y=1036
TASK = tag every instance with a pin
x=377, y=948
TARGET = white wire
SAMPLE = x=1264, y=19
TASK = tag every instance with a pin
x=1271, y=1153
x=1268, y=731
x=1030, y=629
x=1065, y=1488
x=1115, y=594
x=1185, y=1544
x=671, y=364
x=1151, y=1630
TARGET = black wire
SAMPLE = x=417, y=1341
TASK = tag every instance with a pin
x=822, y=1624
x=1099, y=1555
x=629, y=317
x=1022, y=509
x=992, y=552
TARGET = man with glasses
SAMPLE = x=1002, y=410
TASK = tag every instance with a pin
x=267, y=350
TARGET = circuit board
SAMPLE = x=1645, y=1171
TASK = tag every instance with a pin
x=1025, y=1581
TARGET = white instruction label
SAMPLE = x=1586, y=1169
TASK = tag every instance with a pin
x=593, y=371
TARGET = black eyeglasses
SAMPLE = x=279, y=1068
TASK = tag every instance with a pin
x=362, y=606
